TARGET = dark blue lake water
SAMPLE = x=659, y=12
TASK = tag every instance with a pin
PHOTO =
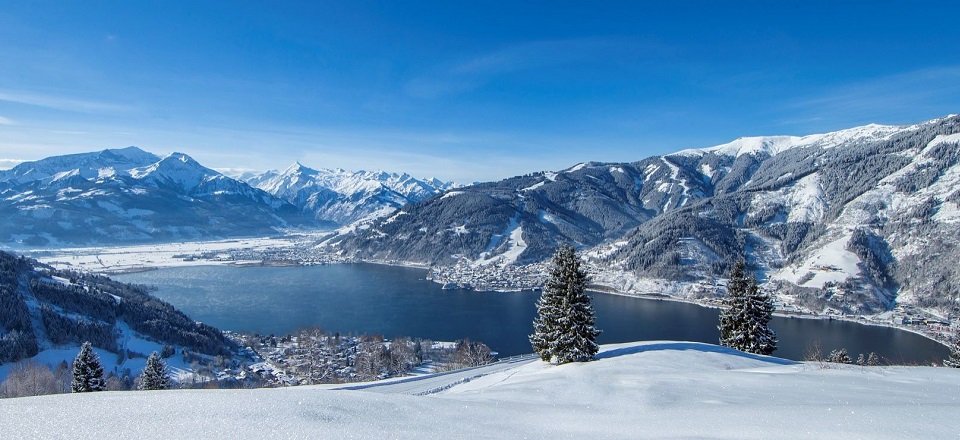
x=397, y=301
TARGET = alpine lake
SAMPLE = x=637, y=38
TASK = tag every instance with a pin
x=399, y=301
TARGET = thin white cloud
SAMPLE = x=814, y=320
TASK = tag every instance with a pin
x=61, y=102
x=6, y=121
x=466, y=75
x=6, y=164
x=237, y=172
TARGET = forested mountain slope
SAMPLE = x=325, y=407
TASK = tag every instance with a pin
x=840, y=220
x=45, y=309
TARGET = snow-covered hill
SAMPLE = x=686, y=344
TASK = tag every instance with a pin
x=344, y=196
x=654, y=389
x=129, y=196
x=45, y=315
x=838, y=221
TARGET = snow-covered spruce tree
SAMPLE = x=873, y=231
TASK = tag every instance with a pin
x=564, y=330
x=745, y=322
x=733, y=319
x=954, y=360
x=87, y=371
x=154, y=375
x=762, y=340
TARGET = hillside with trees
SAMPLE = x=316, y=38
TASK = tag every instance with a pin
x=42, y=308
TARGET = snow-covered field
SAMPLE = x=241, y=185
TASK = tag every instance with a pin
x=637, y=390
x=124, y=258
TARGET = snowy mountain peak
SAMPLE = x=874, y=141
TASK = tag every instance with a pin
x=345, y=196
x=131, y=153
x=176, y=169
x=180, y=157
x=117, y=194
x=299, y=169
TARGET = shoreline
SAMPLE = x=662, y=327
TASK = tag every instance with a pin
x=597, y=288
x=790, y=315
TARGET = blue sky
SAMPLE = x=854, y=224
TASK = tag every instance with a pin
x=460, y=90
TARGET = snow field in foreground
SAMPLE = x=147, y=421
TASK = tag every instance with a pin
x=635, y=390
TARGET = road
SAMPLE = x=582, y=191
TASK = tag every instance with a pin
x=434, y=383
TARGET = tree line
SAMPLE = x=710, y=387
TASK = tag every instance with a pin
x=75, y=307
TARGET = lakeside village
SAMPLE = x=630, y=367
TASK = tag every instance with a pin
x=312, y=356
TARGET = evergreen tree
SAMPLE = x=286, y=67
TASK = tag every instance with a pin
x=744, y=323
x=954, y=360
x=873, y=360
x=733, y=318
x=564, y=330
x=87, y=371
x=154, y=375
x=760, y=308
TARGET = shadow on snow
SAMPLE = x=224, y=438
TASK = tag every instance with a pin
x=695, y=346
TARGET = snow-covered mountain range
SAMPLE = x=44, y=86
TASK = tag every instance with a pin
x=841, y=220
x=344, y=196
x=132, y=196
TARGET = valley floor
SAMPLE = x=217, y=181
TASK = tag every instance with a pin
x=653, y=389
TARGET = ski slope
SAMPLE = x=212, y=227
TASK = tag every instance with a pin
x=435, y=383
x=655, y=389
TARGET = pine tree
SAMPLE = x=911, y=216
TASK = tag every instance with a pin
x=87, y=371
x=744, y=323
x=564, y=330
x=154, y=375
x=954, y=360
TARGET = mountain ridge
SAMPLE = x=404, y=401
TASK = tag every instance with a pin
x=131, y=196
x=346, y=196
x=684, y=217
x=835, y=222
